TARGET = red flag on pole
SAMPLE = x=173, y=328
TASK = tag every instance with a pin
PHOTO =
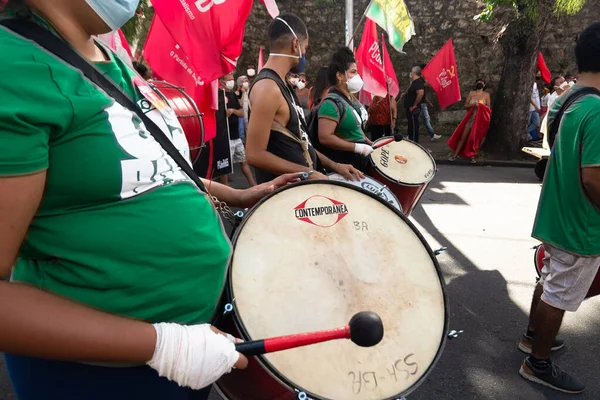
x=442, y=75
x=261, y=61
x=390, y=74
x=169, y=62
x=207, y=31
x=368, y=59
x=543, y=68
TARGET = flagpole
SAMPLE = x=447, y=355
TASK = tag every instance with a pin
x=387, y=84
x=362, y=19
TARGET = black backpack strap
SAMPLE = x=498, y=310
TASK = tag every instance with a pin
x=55, y=45
x=566, y=105
x=339, y=103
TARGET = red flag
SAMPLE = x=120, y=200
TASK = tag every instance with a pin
x=169, y=62
x=543, y=68
x=390, y=74
x=271, y=7
x=368, y=59
x=442, y=75
x=209, y=31
x=261, y=61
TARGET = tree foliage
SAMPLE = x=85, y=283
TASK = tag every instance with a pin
x=136, y=29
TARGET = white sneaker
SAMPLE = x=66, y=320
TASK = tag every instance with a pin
x=436, y=137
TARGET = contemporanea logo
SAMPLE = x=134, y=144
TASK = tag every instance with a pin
x=321, y=211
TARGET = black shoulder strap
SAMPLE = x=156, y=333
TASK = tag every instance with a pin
x=568, y=103
x=52, y=43
x=339, y=103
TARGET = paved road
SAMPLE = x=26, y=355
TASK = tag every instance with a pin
x=484, y=217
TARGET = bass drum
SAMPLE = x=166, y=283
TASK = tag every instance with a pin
x=538, y=260
x=405, y=167
x=187, y=113
x=307, y=258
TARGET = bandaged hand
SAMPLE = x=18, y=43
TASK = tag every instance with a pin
x=363, y=149
x=193, y=356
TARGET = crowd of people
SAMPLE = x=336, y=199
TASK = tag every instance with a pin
x=117, y=258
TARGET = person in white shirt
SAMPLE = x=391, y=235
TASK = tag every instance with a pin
x=534, y=113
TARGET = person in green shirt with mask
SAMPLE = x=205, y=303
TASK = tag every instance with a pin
x=567, y=221
x=119, y=260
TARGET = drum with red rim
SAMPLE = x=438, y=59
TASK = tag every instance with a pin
x=187, y=113
x=307, y=258
x=405, y=167
x=538, y=260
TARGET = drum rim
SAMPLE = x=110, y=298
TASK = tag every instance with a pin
x=375, y=180
x=199, y=114
x=372, y=163
x=267, y=366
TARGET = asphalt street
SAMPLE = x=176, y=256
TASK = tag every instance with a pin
x=484, y=215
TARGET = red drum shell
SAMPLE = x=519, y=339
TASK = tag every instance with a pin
x=187, y=112
x=538, y=260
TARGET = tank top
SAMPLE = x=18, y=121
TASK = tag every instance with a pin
x=279, y=144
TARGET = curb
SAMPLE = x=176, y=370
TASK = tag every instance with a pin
x=488, y=163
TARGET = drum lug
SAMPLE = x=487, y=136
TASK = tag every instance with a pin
x=302, y=395
x=239, y=216
x=454, y=334
x=439, y=251
x=228, y=307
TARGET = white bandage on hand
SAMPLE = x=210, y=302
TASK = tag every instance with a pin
x=193, y=356
x=363, y=149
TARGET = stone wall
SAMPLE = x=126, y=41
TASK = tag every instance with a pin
x=436, y=21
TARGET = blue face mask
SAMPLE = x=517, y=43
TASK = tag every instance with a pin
x=114, y=13
x=301, y=56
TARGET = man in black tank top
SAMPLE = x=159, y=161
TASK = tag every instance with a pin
x=276, y=140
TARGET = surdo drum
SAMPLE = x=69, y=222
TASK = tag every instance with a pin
x=538, y=260
x=307, y=258
x=405, y=167
x=187, y=113
x=371, y=185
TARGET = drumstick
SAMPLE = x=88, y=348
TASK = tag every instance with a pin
x=396, y=138
x=365, y=329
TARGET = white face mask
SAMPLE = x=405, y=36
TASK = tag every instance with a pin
x=251, y=72
x=114, y=13
x=355, y=84
x=300, y=85
x=293, y=81
x=230, y=85
x=245, y=85
x=410, y=76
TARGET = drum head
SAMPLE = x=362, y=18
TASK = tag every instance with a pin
x=371, y=185
x=404, y=162
x=313, y=254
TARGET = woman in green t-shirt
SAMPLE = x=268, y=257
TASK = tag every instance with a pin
x=119, y=260
x=341, y=136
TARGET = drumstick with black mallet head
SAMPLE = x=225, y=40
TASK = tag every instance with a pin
x=397, y=138
x=364, y=329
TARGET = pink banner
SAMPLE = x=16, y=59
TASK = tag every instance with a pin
x=209, y=31
x=169, y=62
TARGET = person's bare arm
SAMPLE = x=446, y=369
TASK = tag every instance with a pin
x=328, y=138
x=420, y=94
x=468, y=101
x=533, y=103
x=590, y=177
x=264, y=102
x=236, y=112
x=39, y=324
x=346, y=170
x=394, y=108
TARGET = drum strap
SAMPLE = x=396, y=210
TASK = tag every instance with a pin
x=55, y=45
x=277, y=127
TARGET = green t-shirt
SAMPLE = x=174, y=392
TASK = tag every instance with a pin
x=120, y=228
x=566, y=217
x=350, y=128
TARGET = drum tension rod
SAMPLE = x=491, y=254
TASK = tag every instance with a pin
x=439, y=251
x=454, y=334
